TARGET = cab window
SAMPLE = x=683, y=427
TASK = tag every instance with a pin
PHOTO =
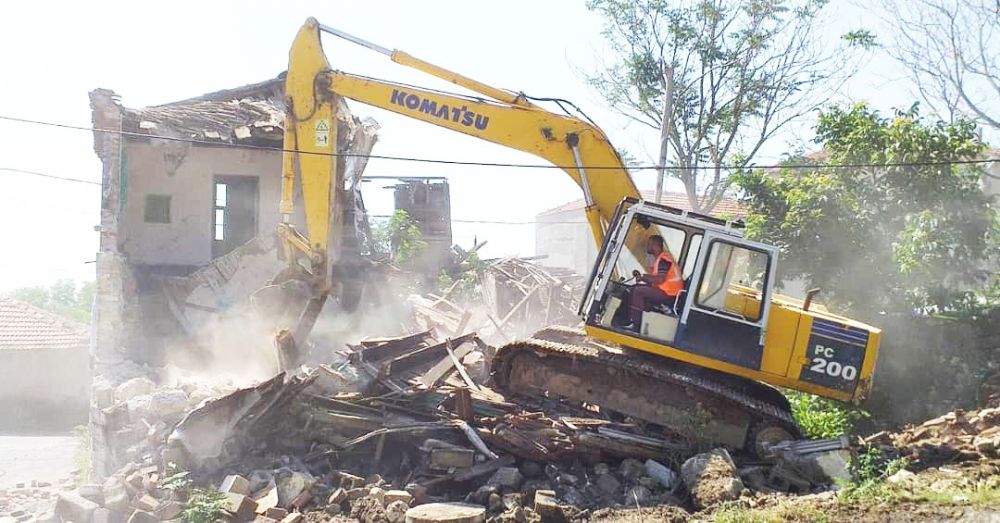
x=733, y=281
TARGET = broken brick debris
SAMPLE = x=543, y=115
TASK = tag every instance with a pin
x=954, y=437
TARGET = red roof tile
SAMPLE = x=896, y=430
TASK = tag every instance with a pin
x=726, y=207
x=26, y=327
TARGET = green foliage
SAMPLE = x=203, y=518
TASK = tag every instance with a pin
x=870, y=469
x=862, y=38
x=83, y=455
x=468, y=276
x=204, y=506
x=739, y=512
x=820, y=417
x=400, y=237
x=902, y=238
x=62, y=297
x=721, y=77
x=177, y=480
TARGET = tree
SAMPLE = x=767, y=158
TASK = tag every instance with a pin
x=63, y=297
x=910, y=237
x=947, y=48
x=400, y=237
x=716, y=78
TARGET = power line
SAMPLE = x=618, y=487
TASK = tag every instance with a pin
x=52, y=176
x=500, y=164
x=497, y=222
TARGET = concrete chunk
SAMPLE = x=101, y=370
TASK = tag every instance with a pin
x=235, y=484
x=147, y=503
x=446, y=513
x=506, y=477
x=134, y=387
x=711, y=478
x=395, y=512
x=294, y=517
x=666, y=477
x=71, y=506
x=547, y=506
x=290, y=487
x=240, y=507
x=445, y=459
x=398, y=495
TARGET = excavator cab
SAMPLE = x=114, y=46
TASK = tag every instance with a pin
x=728, y=317
x=721, y=311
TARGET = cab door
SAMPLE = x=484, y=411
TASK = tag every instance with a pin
x=725, y=313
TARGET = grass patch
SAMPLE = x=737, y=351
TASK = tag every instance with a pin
x=83, y=458
x=735, y=512
x=204, y=506
x=870, y=469
x=984, y=492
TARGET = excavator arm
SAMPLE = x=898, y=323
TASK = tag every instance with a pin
x=312, y=90
x=574, y=145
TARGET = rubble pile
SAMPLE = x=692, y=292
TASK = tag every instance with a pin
x=514, y=298
x=403, y=428
x=524, y=297
x=954, y=437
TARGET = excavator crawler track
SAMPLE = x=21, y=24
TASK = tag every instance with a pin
x=698, y=405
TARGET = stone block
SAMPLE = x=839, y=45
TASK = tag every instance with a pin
x=235, y=484
x=446, y=459
x=71, y=506
x=239, y=507
x=147, y=503
x=293, y=517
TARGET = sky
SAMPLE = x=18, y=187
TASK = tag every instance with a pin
x=149, y=53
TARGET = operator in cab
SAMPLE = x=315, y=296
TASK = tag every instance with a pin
x=661, y=286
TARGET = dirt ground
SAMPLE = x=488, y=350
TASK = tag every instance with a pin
x=24, y=459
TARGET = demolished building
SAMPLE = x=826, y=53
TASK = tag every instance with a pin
x=188, y=189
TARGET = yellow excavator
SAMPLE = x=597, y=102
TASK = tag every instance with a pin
x=704, y=367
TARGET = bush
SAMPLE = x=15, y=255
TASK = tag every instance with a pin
x=822, y=418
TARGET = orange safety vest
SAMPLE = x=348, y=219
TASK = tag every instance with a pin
x=673, y=284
